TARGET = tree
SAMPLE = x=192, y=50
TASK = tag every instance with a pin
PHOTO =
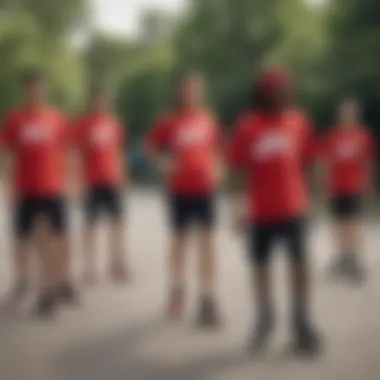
x=228, y=41
x=354, y=52
x=22, y=45
x=106, y=58
x=54, y=17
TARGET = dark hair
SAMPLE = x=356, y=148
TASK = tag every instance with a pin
x=32, y=76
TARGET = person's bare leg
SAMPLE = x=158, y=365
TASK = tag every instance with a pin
x=119, y=260
x=306, y=339
x=48, y=252
x=66, y=291
x=349, y=243
x=207, y=278
x=261, y=241
x=90, y=272
x=177, y=274
x=347, y=260
x=21, y=273
x=207, y=263
x=262, y=288
x=347, y=231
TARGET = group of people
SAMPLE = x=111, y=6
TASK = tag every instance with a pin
x=266, y=158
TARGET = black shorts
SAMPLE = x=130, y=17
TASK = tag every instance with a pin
x=344, y=206
x=103, y=200
x=291, y=232
x=30, y=210
x=188, y=210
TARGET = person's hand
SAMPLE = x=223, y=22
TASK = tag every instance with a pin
x=218, y=173
x=165, y=165
x=240, y=220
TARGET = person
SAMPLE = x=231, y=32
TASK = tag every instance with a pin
x=184, y=144
x=267, y=150
x=36, y=135
x=100, y=139
x=348, y=155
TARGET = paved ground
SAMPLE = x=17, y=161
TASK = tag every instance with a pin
x=120, y=333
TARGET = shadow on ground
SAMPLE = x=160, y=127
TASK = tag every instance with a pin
x=116, y=358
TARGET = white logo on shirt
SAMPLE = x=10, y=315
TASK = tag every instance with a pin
x=100, y=136
x=34, y=133
x=272, y=144
x=190, y=136
x=346, y=150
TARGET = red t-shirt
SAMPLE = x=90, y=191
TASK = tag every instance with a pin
x=348, y=154
x=38, y=139
x=192, y=139
x=100, y=138
x=272, y=150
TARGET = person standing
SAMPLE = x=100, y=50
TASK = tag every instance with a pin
x=268, y=149
x=37, y=136
x=348, y=155
x=184, y=145
x=100, y=139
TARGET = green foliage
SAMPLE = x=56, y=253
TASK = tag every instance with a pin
x=144, y=90
x=24, y=44
x=228, y=40
x=354, y=52
x=331, y=49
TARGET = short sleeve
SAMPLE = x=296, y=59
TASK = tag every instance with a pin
x=369, y=146
x=8, y=132
x=238, y=146
x=67, y=132
x=159, y=135
x=122, y=134
x=311, y=146
x=218, y=139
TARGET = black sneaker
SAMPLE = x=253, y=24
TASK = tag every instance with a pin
x=354, y=271
x=306, y=340
x=337, y=268
x=46, y=306
x=208, y=313
x=261, y=334
x=67, y=294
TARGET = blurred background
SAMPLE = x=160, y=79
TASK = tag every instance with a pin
x=135, y=46
x=332, y=48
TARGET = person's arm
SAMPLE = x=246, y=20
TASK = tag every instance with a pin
x=237, y=152
x=219, y=148
x=123, y=137
x=370, y=154
x=7, y=144
x=314, y=161
x=157, y=147
x=73, y=159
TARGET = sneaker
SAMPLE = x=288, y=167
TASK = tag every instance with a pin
x=337, y=268
x=306, y=340
x=261, y=334
x=208, y=313
x=354, y=271
x=67, y=294
x=176, y=305
x=46, y=306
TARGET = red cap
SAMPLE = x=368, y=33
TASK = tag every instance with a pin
x=273, y=79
